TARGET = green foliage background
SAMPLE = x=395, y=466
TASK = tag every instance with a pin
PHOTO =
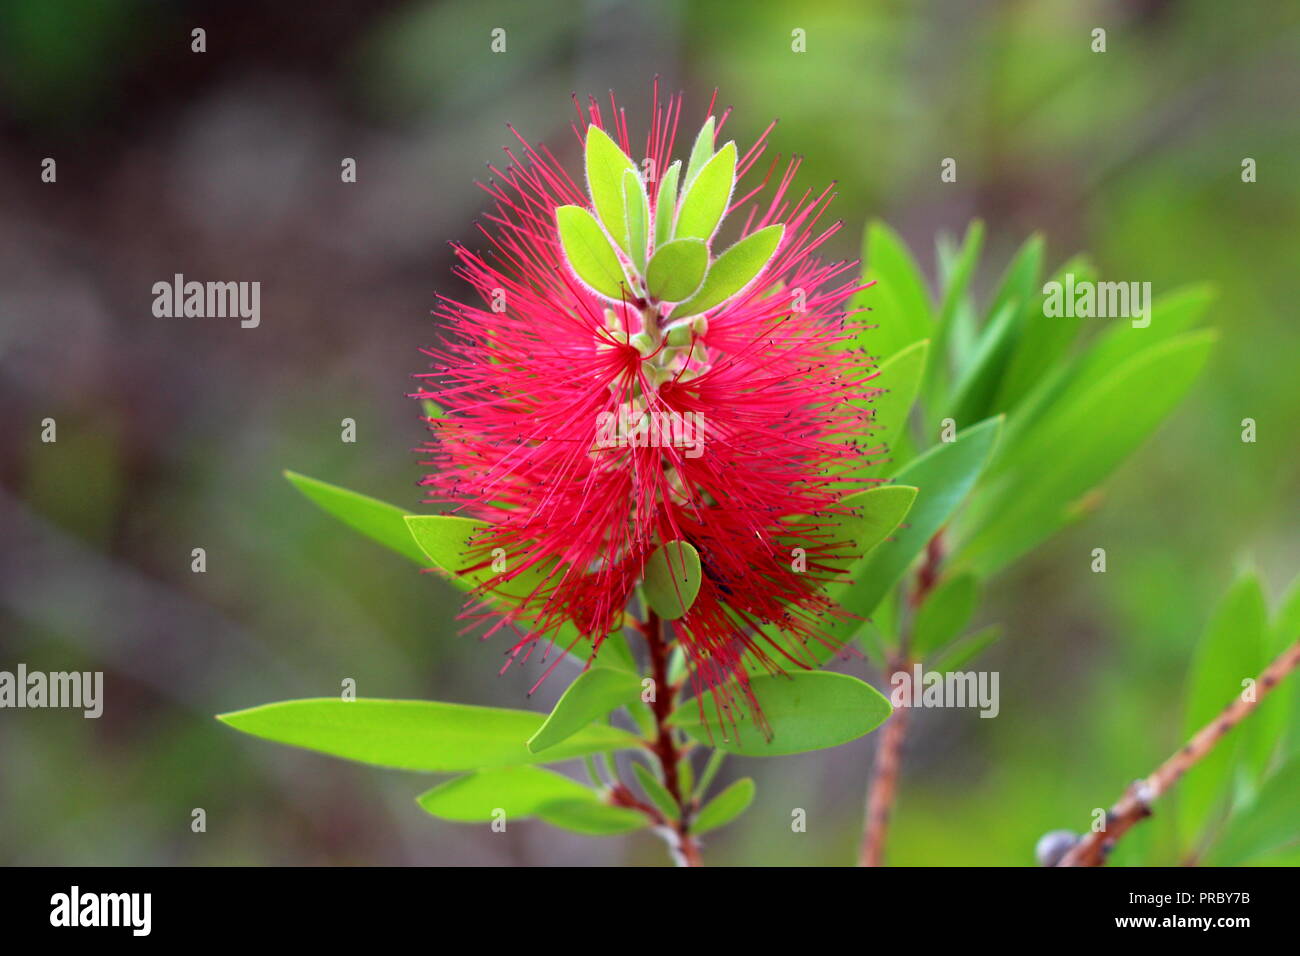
x=172, y=433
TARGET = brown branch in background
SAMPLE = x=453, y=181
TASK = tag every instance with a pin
x=889, y=755
x=884, y=781
x=1135, y=806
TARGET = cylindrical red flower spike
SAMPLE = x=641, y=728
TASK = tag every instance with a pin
x=611, y=395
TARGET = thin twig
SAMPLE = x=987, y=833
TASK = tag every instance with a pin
x=1135, y=806
x=884, y=782
x=888, y=760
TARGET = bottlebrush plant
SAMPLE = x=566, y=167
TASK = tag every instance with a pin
x=674, y=444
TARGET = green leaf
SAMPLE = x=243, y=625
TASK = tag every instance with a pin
x=591, y=819
x=666, y=204
x=1270, y=822
x=1075, y=445
x=707, y=196
x=954, y=291
x=677, y=269
x=725, y=807
x=417, y=734
x=657, y=792
x=376, y=519
x=1285, y=632
x=732, y=271
x=1171, y=316
x=701, y=152
x=1043, y=342
x=1231, y=651
x=966, y=649
x=672, y=579
x=876, y=514
x=636, y=209
x=587, y=249
x=900, y=376
x=944, y=475
x=519, y=791
x=899, y=303
x=973, y=395
x=944, y=614
x=449, y=542
x=595, y=692
x=806, y=710
x=430, y=408
x=1020, y=282
x=606, y=163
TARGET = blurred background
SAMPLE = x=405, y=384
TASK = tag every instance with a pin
x=172, y=433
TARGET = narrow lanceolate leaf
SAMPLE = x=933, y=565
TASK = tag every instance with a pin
x=666, y=204
x=953, y=294
x=725, y=807
x=972, y=397
x=945, y=475
x=1231, y=651
x=707, y=196
x=591, y=819
x=1076, y=444
x=595, y=692
x=1269, y=822
x=944, y=614
x=589, y=254
x=732, y=271
x=701, y=152
x=875, y=514
x=606, y=163
x=900, y=306
x=375, y=519
x=900, y=378
x=636, y=209
x=516, y=791
x=417, y=734
x=677, y=269
x=805, y=710
x=672, y=579
x=449, y=542
x=964, y=650
x=656, y=791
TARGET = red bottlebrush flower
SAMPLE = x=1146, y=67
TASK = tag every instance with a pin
x=632, y=378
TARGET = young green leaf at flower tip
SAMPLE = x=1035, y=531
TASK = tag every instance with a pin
x=677, y=269
x=657, y=792
x=636, y=210
x=666, y=204
x=725, y=807
x=706, y=199
x=595, y=692
x=590, y=255
x=606, y=162
x=733, y=271
x=672, y=579
x=701, y=152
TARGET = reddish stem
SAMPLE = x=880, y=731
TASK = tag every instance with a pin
x=685, y=849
